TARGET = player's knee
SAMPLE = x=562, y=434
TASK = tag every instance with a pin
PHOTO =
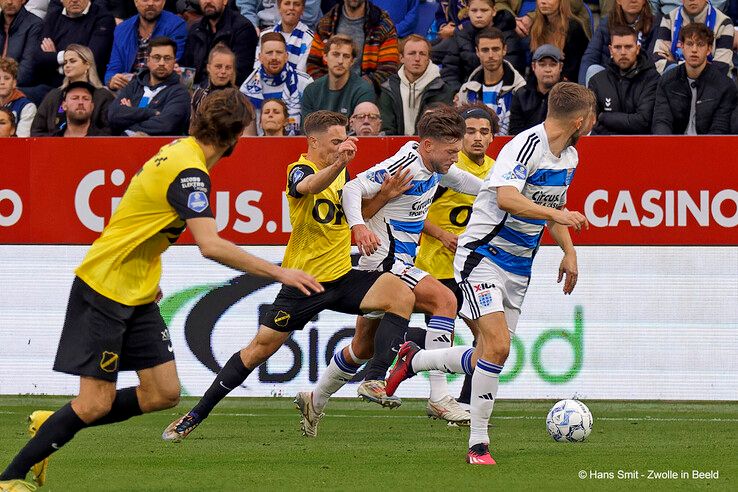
x=444, y=303
x=93, y=408
x=499, y=353
x=169, y=397
x=400, y=300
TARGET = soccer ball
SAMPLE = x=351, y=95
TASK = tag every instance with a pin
x=569, y=420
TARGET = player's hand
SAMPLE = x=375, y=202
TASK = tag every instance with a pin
x=449, y=240
x=366, y=240
x=159, y=294
x=347, y=151
x=300, y=280
x=396, y=185
x=522, y=26
x=571, y=219
x=569, y=268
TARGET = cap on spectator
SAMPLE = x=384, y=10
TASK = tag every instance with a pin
x=80, y=84
x=548, y=51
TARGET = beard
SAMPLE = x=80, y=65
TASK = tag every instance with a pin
x=574, y=138
x=78, y=120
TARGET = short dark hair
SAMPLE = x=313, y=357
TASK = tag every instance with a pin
x=620, y=30
x=161, y=41
x=221, y=117
x=442, y=124
x=490, y=32
x=341, y=40
x=10, y=66
x=697, y=30
x=320, y=121
x=472, y=110
x=272, y=36
x=567, y=99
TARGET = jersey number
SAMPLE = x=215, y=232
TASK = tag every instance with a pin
x=326, y=211
x=460, y=216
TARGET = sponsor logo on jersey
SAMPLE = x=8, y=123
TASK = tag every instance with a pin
x=520, y=172
x=484, y=286
x=282, y=318
x=296, y=175
x=197, y=201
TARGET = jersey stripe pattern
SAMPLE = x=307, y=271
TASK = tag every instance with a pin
x=507, y=240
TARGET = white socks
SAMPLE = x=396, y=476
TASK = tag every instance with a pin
x=439, y=335
x=339, y=372
x=485, y=381
x=454, y=359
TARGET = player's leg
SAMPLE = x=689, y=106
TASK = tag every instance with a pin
x=266, y=342
x=465, y=394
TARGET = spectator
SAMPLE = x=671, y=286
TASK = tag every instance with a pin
x=530, y=103
x=78, y=65
x=366, y=121
x=554, y=24
x=131, y=40
x=225, y=26
x=373, y=33
x=449, y=15
x=221, y=69
x=694, y=98
x=261, y=13
x=626, y=90
x=7, y=123
x=635, y=14
x=80, y=22
x=407, y=93
x=154, y=102
x=125, y=9
x=274, y=118
x=38, y=8
x=495, y=81
x=276, y=79
x=298, y=35
x=525, y=12
x=404, y=14
x=461, y=59
x=341, y=89
x=77, y=105
x=20, y=36
x=665, y=7
x=13, y=98
x=667, y=50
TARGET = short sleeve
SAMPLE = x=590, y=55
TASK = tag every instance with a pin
x=513, y=165
x=296, y=175
x=189, y=194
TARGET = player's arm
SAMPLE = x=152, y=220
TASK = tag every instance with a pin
x=512, y=201
x=315, y=183
x=560, y=234
x=461, y=181
x=392, y=187
x=449, y=240
x=365, y=185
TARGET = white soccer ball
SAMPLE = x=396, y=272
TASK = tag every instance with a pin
x=569, y=420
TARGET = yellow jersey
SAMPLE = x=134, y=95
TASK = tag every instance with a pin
x=124, y=263
x=451, y=212
x=320, y=243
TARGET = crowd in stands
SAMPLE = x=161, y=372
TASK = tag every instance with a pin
x=142, y=67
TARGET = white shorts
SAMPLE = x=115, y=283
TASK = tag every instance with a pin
x=411, y=275
x=487, y=288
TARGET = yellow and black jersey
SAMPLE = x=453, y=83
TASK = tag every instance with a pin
x=320, y=243
x=124, y=263
x=450, y=211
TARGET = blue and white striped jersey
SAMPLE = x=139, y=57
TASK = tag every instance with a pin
x=399, y=223
x=527, y=164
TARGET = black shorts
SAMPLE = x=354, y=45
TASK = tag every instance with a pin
x=101, y=336
x=292, y=309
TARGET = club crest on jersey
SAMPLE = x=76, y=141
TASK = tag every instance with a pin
x=282, y=318
x=377, y=176
x=518, y=172
x=569, y=176
x=485, y=298
x=109, y=361
x=197, y=201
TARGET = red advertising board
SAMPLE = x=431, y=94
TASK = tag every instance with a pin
x=634, y=190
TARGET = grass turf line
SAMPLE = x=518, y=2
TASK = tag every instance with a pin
x=250, y=444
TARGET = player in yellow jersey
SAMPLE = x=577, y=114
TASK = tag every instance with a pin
x=113, y=322
x=320, y=244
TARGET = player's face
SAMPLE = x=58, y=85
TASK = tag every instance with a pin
x=161, y=62
x=75, y=7
x=548, y=7
x=78, y=105
x=442, y=154
x=75, y=68
x=273, y=57
x=415, y=57
x=11, y=7
x=694, y=7
x=491, y=52
x=221, y=70
x=695, y=52
x=477, y=137
x=7, y=129
x=548, y=72
x=632, y=7
x=290, y=11
x=7, y=84
x=339, y=59
x=149, y=9
x=326, y=143
x=624, y=51
x=480, y=13
x=273, y=118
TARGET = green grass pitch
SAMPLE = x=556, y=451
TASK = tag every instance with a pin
x=255, y=444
